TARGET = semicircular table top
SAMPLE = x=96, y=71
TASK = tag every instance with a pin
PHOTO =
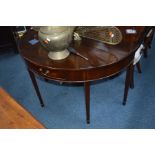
x=100, y=55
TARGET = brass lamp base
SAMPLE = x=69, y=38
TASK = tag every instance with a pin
x=58, y=55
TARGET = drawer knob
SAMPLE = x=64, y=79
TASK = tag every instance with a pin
x=40, y=69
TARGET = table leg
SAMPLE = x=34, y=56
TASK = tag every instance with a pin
x=145, y=52
x=46, y=80
x=139, y=67
x=127, y=82
x=87, y=100
x=132, y=77
x=32, y=76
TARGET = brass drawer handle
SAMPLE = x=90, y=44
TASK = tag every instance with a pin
x=45, y=73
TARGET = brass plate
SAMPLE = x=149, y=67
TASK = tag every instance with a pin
x=106, y=34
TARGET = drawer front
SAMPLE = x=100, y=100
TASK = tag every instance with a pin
x=46, y=72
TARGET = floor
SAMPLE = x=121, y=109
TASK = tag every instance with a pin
x=65, y=106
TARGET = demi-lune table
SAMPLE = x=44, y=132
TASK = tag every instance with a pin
x=104, y=60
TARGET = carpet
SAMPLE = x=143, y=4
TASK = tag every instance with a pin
x=65, y=106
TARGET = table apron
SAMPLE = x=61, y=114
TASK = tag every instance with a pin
x=82, y=75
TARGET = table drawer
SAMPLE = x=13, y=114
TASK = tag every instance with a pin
x=47, y=72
